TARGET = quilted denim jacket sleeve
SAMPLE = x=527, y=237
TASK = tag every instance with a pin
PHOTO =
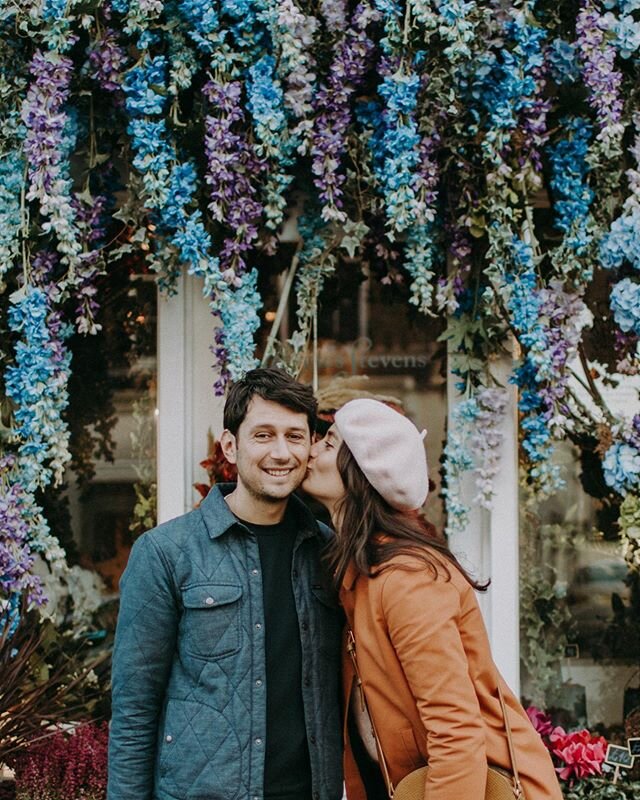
x=143, y=652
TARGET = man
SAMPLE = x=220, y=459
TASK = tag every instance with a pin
x=226, y=661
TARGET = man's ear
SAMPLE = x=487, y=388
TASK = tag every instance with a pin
x=228, y=445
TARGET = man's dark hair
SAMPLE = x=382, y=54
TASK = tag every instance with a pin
x=271, y=384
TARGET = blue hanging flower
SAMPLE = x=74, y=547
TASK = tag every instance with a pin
x=621, y=467
x=625, y=304
x=622, y=242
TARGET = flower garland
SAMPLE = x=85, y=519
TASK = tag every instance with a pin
x=233, y=172
x=625, y=28
x=618, y=247
x=333, y=115
x=107, y=61
x=597, y=55
x=476, y=428
x=525, y=307
x=169, y=187
x=16, y=558
x=422, y=128
x=572, y=195
x=11, y=176
x=45, y=120
x=37, y=384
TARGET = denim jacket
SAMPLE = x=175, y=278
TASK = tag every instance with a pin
x=189, y=684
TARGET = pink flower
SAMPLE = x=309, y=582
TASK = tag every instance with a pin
x=580, y=754
x=540, y=720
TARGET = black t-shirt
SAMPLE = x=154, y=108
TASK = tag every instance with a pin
x=287, y=772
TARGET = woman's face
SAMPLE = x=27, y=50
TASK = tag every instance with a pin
x=323, y=481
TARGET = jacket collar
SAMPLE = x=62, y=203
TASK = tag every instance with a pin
x=219, y=518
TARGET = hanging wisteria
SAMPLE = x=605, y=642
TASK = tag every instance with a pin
x=430, y=134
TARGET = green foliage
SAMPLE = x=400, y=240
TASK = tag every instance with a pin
x=602, y=789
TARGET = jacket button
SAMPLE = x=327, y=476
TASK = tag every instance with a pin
x=307, y=681
x=258, y=741
x=259, y=682
x=258, y=626
x=209, y=601
x=169, y=738
x=305, y=626
x=312, y=739
x=254, y=571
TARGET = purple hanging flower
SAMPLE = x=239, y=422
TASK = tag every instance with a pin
x=48, y=172
x=597, y=54
x=108, y=61
x=332, y=103
x=233, y=172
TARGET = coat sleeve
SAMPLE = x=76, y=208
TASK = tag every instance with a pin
x=423, y=617
x=144, y=646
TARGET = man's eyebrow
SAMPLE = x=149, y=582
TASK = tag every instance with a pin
x=270, y=426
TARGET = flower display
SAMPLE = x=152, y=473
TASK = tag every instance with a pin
x=65, y=765
x=37, y=384
x=540, y=720
x=45, y=120
x=580, y=753
x=621, y=467
x=597, y=56
x=11, y=171
x=625, y=304
x=423, y=141
x=475, y=428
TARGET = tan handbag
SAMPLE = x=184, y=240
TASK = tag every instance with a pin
x=501, y=784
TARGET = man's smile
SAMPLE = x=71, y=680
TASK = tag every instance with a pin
x=278, y=473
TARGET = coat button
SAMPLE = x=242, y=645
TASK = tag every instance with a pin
x=258, y=741
x=258, y=626
x=259, y=682
x=168, y=738
x=209, y=601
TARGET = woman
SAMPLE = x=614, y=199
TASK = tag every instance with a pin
x=423, y=654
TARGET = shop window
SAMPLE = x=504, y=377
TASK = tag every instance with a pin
x=580, y=606
x=109, y=496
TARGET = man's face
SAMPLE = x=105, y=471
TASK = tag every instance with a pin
x=270, y=450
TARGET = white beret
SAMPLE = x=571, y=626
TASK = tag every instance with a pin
x=388, y=448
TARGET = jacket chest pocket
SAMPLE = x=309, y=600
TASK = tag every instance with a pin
x=211, y=623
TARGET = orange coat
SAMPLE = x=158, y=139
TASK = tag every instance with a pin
x=430, y=684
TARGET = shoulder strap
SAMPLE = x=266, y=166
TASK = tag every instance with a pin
x=517, y=786
x=351, y=647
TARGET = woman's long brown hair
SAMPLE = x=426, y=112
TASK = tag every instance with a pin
x=372, y=532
